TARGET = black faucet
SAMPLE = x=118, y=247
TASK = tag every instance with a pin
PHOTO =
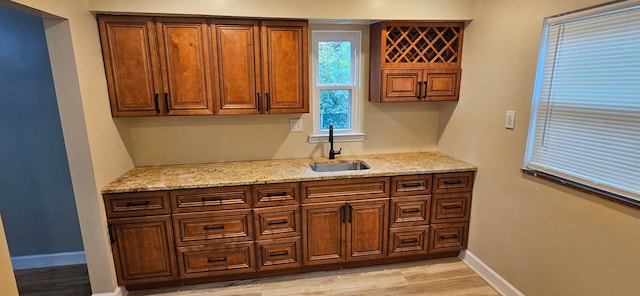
x=332, y=153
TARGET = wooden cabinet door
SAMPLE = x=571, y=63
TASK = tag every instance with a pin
x=402, y=85
x=285, y=67
x=442, y=85
x=186, y=70
x=236, y=66
x=130, y=60
x=143, y=249
x=367, y=224
x=323, y=233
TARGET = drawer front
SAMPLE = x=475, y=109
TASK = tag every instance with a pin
x=223, y=198
x=276, y=194
x=410, y=211
x=411, y=185
x=279, y=254
x=118, y=205
x=452, y=207
x=407, y=241
x=213, y=227
x=215, y=260
x=453, y=182
x=344, y=189
x=448, y=237
x=277, y=222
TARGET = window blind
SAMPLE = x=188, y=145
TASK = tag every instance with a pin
x=585, y=123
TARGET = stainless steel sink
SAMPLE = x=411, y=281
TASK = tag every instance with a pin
x=354, y=165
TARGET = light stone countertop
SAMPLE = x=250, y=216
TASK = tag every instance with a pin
x=184, y=176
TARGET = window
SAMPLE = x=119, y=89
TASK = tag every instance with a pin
x=335, y=84
x=585, y=121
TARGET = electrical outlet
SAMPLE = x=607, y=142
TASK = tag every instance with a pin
x=295, y=125
x=510, y=120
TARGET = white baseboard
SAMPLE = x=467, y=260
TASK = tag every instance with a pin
x=489, y=275
x=117, y=292
x=48, y=260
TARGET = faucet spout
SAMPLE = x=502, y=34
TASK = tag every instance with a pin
x=332, y=153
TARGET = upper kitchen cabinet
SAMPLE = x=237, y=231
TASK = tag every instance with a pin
x=260, y=66
x=415, y=61
x=157, y=66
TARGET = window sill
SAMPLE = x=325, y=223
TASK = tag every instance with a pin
x=582, y=187
x=323, y=138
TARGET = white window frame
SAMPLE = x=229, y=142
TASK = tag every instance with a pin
x=355, y=133
x=610, y=172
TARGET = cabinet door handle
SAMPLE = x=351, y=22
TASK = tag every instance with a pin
x=454, y=182
x=419, y=89
x=266, y=96
x=424, y=96
x=166, y=102
x=155, y=103
x=350, y=213
x=409, y=241
x=411, y=185
x=343, y=216
x=213, y=260
x=450, y=207
x=259, y=101
x=206, y=199
x=212, y=227
x=274, y=194
x=112, y=237
x=411, y=211
x=449, y=236
x=275, y=254
x=137, y=203
x=277, y=222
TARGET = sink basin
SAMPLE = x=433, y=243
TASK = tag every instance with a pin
x=339, y=166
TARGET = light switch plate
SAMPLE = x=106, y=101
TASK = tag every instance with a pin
x=510, y=120
x=295, y=125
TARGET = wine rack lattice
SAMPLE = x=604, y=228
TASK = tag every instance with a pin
x=411, y=44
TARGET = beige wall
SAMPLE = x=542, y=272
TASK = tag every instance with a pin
x=7, y=280
x=543, y=238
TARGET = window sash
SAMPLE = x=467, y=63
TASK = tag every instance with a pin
x=585, y=121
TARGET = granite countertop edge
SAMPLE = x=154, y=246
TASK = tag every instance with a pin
x=237, y=173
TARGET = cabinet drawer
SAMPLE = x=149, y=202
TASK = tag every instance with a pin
x=409, y=211
x=448, y=237
x=279, y=254
x=276, y=194
x=406, y=241
x=223, y=198
x=212, y=227
x=453, y=182
x=452, y=207
x=120, y=205
x=215, y=260
x=344, y=189
x=411, y=185
x=277, y=222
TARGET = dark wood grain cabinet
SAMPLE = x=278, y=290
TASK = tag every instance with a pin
x=209, y=234
x=415, y=61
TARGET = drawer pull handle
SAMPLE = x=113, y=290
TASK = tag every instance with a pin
x=450, y=207
x=454, y=182
x=213, y=260
x=412, y=185
x=411, y=211
x=282, y=253
x=276, y=194
x=277, y=222
x=137, y=203
x=409, y=241
x=450, y=236
x=210, y=227
x=205, y=199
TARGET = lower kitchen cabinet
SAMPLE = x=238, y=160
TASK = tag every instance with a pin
x=337, y=232
x=143, y=249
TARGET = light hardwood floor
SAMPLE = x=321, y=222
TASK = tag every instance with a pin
x=443, y=277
